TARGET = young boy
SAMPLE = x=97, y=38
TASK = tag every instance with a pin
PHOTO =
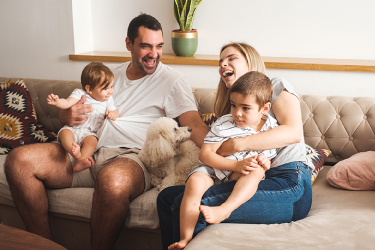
x=250, y=98
x=80, y=141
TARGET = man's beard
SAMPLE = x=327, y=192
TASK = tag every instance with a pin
x=142, y=68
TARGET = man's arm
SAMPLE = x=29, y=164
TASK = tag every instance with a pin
x=76, y=114
x=193, y=120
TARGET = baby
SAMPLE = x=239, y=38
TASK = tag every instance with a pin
x=80, y=141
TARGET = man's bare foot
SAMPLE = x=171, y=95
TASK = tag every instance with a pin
x=76, y=151
x=83, y=164
x=213, y=215
x=179, y=245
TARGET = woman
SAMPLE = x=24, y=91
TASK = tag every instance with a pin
x=285, y=194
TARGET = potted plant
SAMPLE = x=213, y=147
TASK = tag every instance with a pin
x=185, y=40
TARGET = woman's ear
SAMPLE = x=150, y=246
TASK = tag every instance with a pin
x=266, y=108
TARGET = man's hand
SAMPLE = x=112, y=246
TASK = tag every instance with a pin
x=76, y=114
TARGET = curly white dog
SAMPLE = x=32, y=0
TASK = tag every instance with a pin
x=168, y=153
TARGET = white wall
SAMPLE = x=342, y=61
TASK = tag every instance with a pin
x=38, y=35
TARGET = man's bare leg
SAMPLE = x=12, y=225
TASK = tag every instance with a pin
x=29, y=170
x=116, y=186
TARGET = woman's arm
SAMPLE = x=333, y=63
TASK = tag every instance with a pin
x=288, y=113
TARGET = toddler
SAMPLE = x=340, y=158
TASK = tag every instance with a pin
x=80, y=141
x=250, y=98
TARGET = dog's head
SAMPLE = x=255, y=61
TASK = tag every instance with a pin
x=163, y=135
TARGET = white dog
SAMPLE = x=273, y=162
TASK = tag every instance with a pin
x=168, y=153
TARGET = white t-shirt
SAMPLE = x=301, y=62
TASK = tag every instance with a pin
x=140, y=102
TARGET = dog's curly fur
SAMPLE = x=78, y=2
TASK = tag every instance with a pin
x=168, y=153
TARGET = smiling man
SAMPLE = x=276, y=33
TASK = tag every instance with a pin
x=144, y=90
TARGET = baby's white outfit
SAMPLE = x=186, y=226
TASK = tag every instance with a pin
x=96, y=117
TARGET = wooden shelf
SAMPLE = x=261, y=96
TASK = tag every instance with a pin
x=213, y=60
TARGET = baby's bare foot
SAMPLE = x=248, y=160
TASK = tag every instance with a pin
x=213, y=215
x=83, y=164
x=179, y=245
x=76, y=151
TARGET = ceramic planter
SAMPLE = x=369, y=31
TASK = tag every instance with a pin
x=184, y=43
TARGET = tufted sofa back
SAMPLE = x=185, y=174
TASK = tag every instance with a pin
x=344, y=125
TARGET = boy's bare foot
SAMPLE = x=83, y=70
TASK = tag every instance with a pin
x=76, y=151
x=179, y=245
x=83, y=164
x=213, y=215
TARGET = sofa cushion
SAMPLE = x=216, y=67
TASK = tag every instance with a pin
x=338, y=219
x=354, y=173
x=18, y=121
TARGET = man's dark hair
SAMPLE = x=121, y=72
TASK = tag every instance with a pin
x=145, y=20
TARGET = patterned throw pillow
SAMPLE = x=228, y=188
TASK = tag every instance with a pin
x=18, y=122
x=209, y=118
x=316, y=155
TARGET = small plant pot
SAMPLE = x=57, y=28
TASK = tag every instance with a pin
x=184, y=43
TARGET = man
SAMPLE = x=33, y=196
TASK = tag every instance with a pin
x=145, y=89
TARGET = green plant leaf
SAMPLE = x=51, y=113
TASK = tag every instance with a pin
x=191, y=13
x=177, y=7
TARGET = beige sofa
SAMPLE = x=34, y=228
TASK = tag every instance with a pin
x=339, y=219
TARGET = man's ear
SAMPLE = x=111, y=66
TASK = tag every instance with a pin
x=87, y=88
x=266, y=108
x=128, y=44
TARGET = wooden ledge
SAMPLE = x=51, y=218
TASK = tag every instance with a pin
x=213, y=60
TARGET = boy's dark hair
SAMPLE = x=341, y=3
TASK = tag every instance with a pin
x=256, y=84
x=145, y=20
x=93, y=74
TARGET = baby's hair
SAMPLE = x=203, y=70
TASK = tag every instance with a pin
x=256, y=84
x=93, y=74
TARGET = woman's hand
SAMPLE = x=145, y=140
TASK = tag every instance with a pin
x=231, y=146
x=76, y=114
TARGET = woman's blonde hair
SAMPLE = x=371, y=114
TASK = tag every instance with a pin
x=254, y=62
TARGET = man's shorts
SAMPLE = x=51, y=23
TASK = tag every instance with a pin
x=103, y=157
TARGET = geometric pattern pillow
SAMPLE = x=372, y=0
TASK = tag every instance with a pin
x=318, y=157
x=18, y=121
x=209, y=118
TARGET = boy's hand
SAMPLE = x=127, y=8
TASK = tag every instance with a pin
x=246, y=165
x=263, y=161
x=52, y=99
x=112, y=115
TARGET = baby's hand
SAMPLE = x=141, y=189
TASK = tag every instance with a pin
x=52, y=99
x=111, y=115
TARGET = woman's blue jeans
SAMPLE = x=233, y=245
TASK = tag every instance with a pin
x=284, y=195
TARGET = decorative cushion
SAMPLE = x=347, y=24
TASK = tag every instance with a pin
x=209, y=118
x=18, y=121
x=317, y=156
x=354, y=173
